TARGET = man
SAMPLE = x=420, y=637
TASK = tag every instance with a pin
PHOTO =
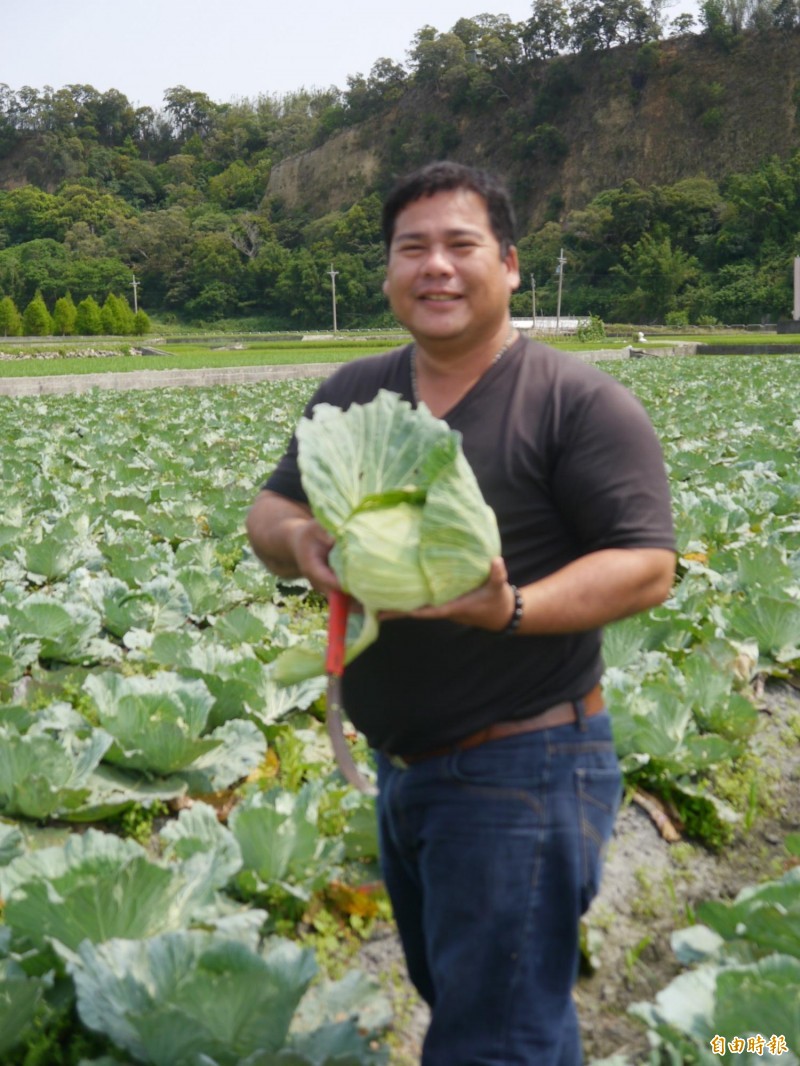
x=497, y=775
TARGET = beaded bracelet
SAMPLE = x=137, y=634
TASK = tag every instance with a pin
x=516, y=617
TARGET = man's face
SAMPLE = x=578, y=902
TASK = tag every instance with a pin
x=446, y=279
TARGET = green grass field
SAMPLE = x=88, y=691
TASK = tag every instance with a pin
x=196, y=354
x=190, y=357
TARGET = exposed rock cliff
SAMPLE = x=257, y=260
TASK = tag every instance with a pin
x=327, y=178
x=578, y=125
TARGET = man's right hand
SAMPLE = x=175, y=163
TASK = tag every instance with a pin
x=311, y=545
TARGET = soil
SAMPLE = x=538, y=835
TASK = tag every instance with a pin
x=650, y=888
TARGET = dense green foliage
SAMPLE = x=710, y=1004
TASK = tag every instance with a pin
x=93, y=190
x=712, y=251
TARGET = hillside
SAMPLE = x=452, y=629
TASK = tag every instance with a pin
x=668, y=172
x=578, y=125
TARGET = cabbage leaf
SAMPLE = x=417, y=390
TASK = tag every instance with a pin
x=386, y=478
x=21, y=997
x=391, y=484
x=185, y=998
x=41, y=775
x=281, y=843
x=156, y=722
x=98, y=886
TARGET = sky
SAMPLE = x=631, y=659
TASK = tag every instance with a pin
x=231, y=50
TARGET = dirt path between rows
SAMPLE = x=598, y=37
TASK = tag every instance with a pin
x=650, y=888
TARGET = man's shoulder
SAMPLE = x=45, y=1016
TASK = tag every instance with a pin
x=575, y=393
x=360, y=381
x=563, y=366
x=566, y=376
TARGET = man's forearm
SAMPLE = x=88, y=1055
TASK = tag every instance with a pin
x=597, y=589
x=271, y=524
x=586, y=594
x=290, y=543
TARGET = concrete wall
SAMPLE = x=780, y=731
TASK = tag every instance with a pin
x=155, y=379
x=245, y=375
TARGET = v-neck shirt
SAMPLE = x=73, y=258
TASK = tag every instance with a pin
x=569, y=462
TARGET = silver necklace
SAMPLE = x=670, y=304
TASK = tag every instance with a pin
x=495, y=359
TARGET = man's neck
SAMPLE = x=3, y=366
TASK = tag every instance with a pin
x=444, y=373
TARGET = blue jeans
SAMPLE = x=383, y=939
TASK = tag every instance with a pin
x=490, y=857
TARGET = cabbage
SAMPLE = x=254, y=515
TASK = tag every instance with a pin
x=391, y=484
x=393, y=487
x=377, y=558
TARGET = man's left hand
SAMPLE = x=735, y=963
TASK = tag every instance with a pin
x=490, y=606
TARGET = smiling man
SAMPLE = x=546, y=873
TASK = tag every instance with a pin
x=496, y=768
x=449, y=280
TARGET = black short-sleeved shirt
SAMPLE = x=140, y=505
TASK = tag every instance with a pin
x=569, y=461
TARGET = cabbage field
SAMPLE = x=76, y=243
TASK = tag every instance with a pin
x=170, y=817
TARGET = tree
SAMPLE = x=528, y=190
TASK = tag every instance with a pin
x=763, y=207
x=238, y=185
x=157, y=244
x=656, y=272
x=691, y=209
x=216, y=268
x=716, y=24
x=40, y=264
x=64, y=314
x=388, y=79
x=116, y=316
x=88, y=320
x=601, y=24
x=682, y=24
x=368, y=96
x=736, y=13
x=744, y=292
x=547, y=31
x=302, y=292
x=85, y=277
x=100, y=210
x=114, y=118
x=492, y=41
x=191, y=113
x=786, y=14
x=141, y=323
x=10, y=318
x=36, y=321
x=437, y=57
x=28, y=213
x=214, y=301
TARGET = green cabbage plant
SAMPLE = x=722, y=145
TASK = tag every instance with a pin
x=97, y=886
x=21, y=999
x=391, y=484
x=190, y=997
x=159, y=726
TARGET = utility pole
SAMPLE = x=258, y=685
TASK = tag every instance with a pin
x=560, y=271
x=135, y=285
x=533, y=299
x=333, y=274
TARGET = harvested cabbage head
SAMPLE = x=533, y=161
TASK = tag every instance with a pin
x=392, y=486
x=377, y=557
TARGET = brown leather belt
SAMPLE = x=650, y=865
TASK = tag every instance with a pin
x=559, y=714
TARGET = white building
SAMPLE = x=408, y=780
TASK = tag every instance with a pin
x=550, y=324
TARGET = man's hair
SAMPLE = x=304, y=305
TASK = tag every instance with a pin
x=445, y=177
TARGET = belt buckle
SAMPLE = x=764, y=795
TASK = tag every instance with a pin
x=398, y=762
